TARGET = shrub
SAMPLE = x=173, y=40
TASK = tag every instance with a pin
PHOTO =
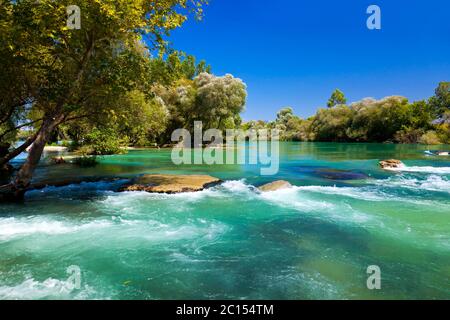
x=430, y=138
x=102, y=142
x=409, y=135
x=86, y=161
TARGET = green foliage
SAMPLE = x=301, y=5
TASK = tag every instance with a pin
x=430, y=138
x=390, y=119
x=60, y=74
x=440, y=103
x=103, y=141
x=142, y=120
x=337, y=98
x=219, y=99
x=216, y=101
x=86, y=161
x=410, y=135
x=443, y=129
x=177, y=65
x=288, y=124
x=332, y=124
x=379, y=120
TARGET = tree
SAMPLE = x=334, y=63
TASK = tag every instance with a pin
x=288, y=124
x=64, y=74
x=337, y=98
x=284, y=115
x=134, y=119
x=219, y=99
x=177, y=65
x=332, y=124
x=144, y=120
x=440, y=102
x=379, y=120
x=216, y=101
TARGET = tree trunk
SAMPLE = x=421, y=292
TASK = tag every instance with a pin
x=16, y=190
x=11, y=155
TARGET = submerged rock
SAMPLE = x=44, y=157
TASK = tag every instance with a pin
x=58, y=160
x=166, y=183
x=69, y=181
x=391, y=164
x=274, y=186
x=333, y=174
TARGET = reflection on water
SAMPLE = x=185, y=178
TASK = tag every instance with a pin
x=314, y=241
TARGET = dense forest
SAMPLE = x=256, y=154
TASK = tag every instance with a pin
x=116, y=82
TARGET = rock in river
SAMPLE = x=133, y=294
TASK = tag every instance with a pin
x=166, y=183
x=391, y=164
x=333, y=174
x=274, y=186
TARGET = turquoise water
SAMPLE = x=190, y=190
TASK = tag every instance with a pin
x=314, y=241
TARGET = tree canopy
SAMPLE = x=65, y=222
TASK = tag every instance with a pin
x=59, y=75
x=337, y=98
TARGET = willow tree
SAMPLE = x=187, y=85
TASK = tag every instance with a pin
x=219, y=100
x=62, y=74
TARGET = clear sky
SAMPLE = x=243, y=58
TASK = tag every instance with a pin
x=296, y=52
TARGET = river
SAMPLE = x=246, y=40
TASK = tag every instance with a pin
x=313, y=241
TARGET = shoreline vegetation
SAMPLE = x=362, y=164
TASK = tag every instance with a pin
x=117, y=84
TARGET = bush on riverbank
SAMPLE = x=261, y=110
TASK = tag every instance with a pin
x=102, y=142
x=86, y=161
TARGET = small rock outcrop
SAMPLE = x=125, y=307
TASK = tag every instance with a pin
x=274, y=186
x=58, y=160
x=166, y=183
x=391, y=164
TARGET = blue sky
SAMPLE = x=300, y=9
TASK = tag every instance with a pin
x=296, y=52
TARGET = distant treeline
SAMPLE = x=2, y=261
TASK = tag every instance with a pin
x=392, y=119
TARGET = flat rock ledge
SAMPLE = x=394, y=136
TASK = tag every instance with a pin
x=274, y=186
x=170, y=184
x=391, y=164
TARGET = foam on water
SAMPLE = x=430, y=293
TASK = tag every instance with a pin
x=11, y=228
x=31, y=289
x=237, y=186
x=208, y=231
x=149, y=229
x=425, y=169
x=431, y=183
x=350, y=192
x=298, y=199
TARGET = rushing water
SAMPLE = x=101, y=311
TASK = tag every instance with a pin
x=314, y=241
